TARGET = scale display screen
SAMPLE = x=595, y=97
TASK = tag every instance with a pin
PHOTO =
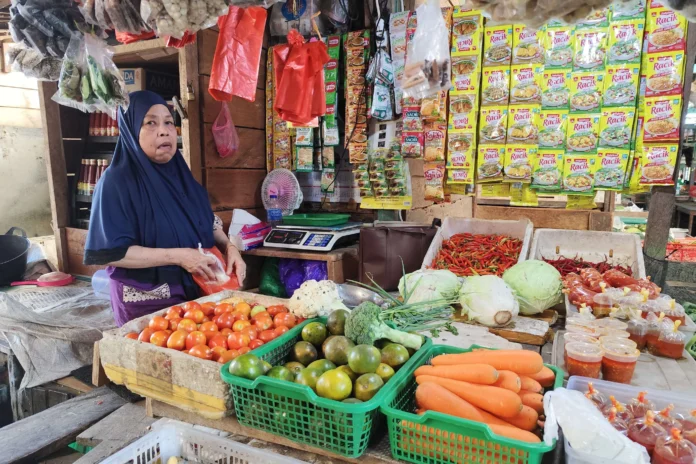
x=318, y=240
x=288, y=237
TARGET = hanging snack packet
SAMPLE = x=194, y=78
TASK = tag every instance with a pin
x=666, y=31
x=493, y=125
x=518, y=163
x=625, y=42
x=552, y=129
x=547, y=168
x=615, y=127
x=657, y=164
x=662, y=116
x=582, y=135
x=586, y=91
x=434, y=174
x=460, y=142
x=522, y=124
x=612, y=169
x=525, y=84
x=621, y=85
x=663, y=74
x=328, y=178
x=589, y=50
x=434, y=136
x=555, y=90
x=558, y=47
x=581, y=202
x=495, y=86
x=430, y=107
x=466, y=73
x=526, y=43
x=467, y=30
x=578, y=174
x=497, y=45
x=489, y=163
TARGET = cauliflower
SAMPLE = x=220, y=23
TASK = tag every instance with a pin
x=314, y=299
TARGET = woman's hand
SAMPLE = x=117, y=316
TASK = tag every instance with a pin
x=196, y=263
x=235, y=263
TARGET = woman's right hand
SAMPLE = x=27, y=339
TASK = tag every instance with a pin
x=196, y=263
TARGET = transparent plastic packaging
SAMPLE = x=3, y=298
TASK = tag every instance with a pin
x=621, y=411
x=645, y=431
x=619, y=361
x=689, y=422
x=640, y=405
x=667, y=420
x=598, y=398
x=674, y=449
x=584, y=359
x=656, y=325
x=582, y=329
x=608, y=298
x=638, y=331
x=618, y=423
x=610, y=324
x=577, y=337
x=670, y=343
x=623, y=341
x=631, y=299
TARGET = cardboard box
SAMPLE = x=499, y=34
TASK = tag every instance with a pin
x=167, y=85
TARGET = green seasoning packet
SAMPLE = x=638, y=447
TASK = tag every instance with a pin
x=578, y=174
x=547, y=169
x=612, y=163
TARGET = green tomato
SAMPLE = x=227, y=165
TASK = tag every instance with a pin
x=248, y=366
x=257, y=309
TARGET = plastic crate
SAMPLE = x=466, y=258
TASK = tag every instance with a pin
x=450, y=439
x=316, y=219
x=294, y=411
x=172, y=438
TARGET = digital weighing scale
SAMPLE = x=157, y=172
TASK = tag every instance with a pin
x=313, y=238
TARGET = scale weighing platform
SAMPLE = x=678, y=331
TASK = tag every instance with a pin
x=313, y=238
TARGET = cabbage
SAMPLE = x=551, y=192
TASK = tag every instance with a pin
x=488, y=300
x=429, y=285
x=537, y=285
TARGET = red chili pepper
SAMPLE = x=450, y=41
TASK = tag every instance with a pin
x=477, y=254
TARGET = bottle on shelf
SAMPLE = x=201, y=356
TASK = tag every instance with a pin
x=104, y=124
x=92, y=117
x=91, y=176
x=116, y=131
x=81, y=178
x=274, y=214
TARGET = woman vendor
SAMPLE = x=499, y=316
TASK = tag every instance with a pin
x=149, y=216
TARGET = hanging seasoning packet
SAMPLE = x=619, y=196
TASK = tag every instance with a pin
x=526, y=43
x=552, y=129
x=497, y=45
x=490, y=161
x=434, y=174
x=661, y=119
x=525, y=84
x=555, y=90
x=493, y=125
x=586, y=91
x=435, y=135
x=558, y=46
x=611, y=170
x=578, y=174
x=547, y=169
x=625, y=42
x=615, y=127
x=460, y=142
x=666, y=31
x=495, y=86
x=582, y=135
x=581, y=202
x=518, y=159
x=658, y=163
x=621, y=85
x=589, y=50
x=466, y=72
x=522, y=124
x=663, y=74
x=467, y=30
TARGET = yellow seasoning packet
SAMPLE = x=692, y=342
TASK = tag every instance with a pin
x=466, y=73
x=525, y=84
x=578, y=174
x=460, y=176
x=586, y=91
x=625, y=42
x=461, y=159
x=523, y=195
x=522, y=124
x=493, y=125
x=663, y=74
x=658, y=163
x=583, y=133
x=526, y=43
x=661, y=119
x=467, y=30
x=518, y=163
x=580, y=202
x=496, y=189
x=490, y=159
x=666, y=31
x=555, y=90
x=616, y=127
x=621, y=85
x=495, y=86
x=547, y=170
x=497, y=45
x=434, y=174
x=462, y=114
x=552, y=129
x=634, y=185
x=435, y=135
x=558, y=46
x=589, y=49
x=612, y=169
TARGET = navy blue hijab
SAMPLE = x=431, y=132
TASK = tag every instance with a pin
x=139, y=202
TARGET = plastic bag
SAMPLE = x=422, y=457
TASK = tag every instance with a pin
x=69, y=90
x=224, y=133
x=223, y=281
x=127, y=37
x=30, y=62
x=238, y=54
x=428, y=66
x=36, y=39
x=33, y=15
x=294, y=272
x=270, y=279
x=188, y=38
x=60, y=21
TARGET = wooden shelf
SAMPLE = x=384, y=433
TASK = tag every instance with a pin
x=109, y=139
x=83, y=198
x=141, y=53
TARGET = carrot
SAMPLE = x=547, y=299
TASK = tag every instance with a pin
x=526, y=419
x=533, y=400
x=474, y=373
x=435, y=397
x=546, y=377
x=509, y=381
x=514, y=433
x=503, y=403
x=522, y=362
x=530, y=384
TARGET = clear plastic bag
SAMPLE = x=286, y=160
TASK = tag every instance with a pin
x=598, y=398
x=645, y=431
x=666, y=419
x=222, y=280
x=33, y=15
x=619, y=424
x=670, y=343
x=640, y=405
x=30, y=62
x=674, y=449
x=428, y=66
x=224, y=133
x=69, y=85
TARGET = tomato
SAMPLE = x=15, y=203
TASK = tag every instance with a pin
x=174, y=323
x=187, y=325
x=264, y=323
x=201, y=351
x=208, y=309
x=225, y=321
x=195, y=338
x=251, y=332
x=159, y=338
x=243, y=308
x=131, y=335
x=176, y=311
x=238, y=340
x=209, y=327
x=300, y=320
x=228, y=356
x=226, y=332
x=190, y=305
x=267, y=335
x=145, y=335
x=238, y=326
x=177, y=340
x=276, y=309
x=217, y=352
x=196, y=315
x=255, y=344
x=218, y=340
x=286, y=319
x=239, y=316
x=262, y=314
x=205, y=319
x=280, y=330
x=244, y=350
x=158, y=323
x=223, y=308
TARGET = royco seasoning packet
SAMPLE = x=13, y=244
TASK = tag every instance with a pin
x=547, y=169
x=518, y=163
x=583, y=133
x=558, y=47
x=526, y=45
x=666, y=31
x=462, y=111
x=578, y=174
x=554, y=88
x=658, y=163
x=467, y=30
x=333, y=43
x=551, y=126
x=616, y=127
x=490, y=159
x=663, y=74
x=661, y=119
x=522, y=124
x=461, y=176
x=621, y=85
x=495, y=86
x=461, y=142
x=586, y=91
x=525, y=84
x=497, y=45
x=466, y=73
x=434, y=135
x=611, y=169
x=434, y=174
x=589, y=49
x=625, y=42
x=493, y=125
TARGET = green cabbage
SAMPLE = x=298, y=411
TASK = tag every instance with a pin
x=488, y=300
x=537, y=285
x=429, y=285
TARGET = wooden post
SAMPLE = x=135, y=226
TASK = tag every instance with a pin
x=660, y=214
x=191, y=127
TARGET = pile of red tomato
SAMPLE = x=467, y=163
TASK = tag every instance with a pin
x=218, y=332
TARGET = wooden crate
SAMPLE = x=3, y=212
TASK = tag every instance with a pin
x=167, y=375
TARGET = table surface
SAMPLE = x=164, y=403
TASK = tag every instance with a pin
x=686, y=207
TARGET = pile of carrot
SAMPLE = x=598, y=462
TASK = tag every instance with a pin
x=500, y=388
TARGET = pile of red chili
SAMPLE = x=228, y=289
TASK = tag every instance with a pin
x=567, y=265
x=474, y=254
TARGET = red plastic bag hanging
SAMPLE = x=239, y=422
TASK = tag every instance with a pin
x=223, y=281
x=127, y=37
x=238, y=54
x=224, y=133
x=300, y=75
x=188, y=38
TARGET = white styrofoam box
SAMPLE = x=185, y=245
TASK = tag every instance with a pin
x=616, y=247
x=170, y=438
x=683, y=403
x=521, y=229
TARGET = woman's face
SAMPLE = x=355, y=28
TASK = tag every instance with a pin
x=158, y=134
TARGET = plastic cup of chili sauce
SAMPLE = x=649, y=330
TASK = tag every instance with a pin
x=612, y=333
x=604, y=326
x=584, y=359
x=619, y=361
x=582, y=329
x=638, y=332
x=576, y=337
x=608, y=340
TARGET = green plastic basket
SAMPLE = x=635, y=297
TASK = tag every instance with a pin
x=316, y=219
x=436, y=438
x=294, y=411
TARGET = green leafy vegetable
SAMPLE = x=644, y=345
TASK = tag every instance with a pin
x=537, y=285
x=364, y=325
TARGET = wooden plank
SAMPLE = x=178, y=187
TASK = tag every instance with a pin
x=601, y=220
x=20, y=117
x=525, y=330
x=191, y=127
x=75, y=240
x=331, y=256
x=226, y=216
x=75, y=384
x=244, y=113
x=143, y=52
x=250, y=155
x=19, y=98
x=99, y=377
x=232, y=188
x=541, y=218
x=48, y=431
x=76, y=265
